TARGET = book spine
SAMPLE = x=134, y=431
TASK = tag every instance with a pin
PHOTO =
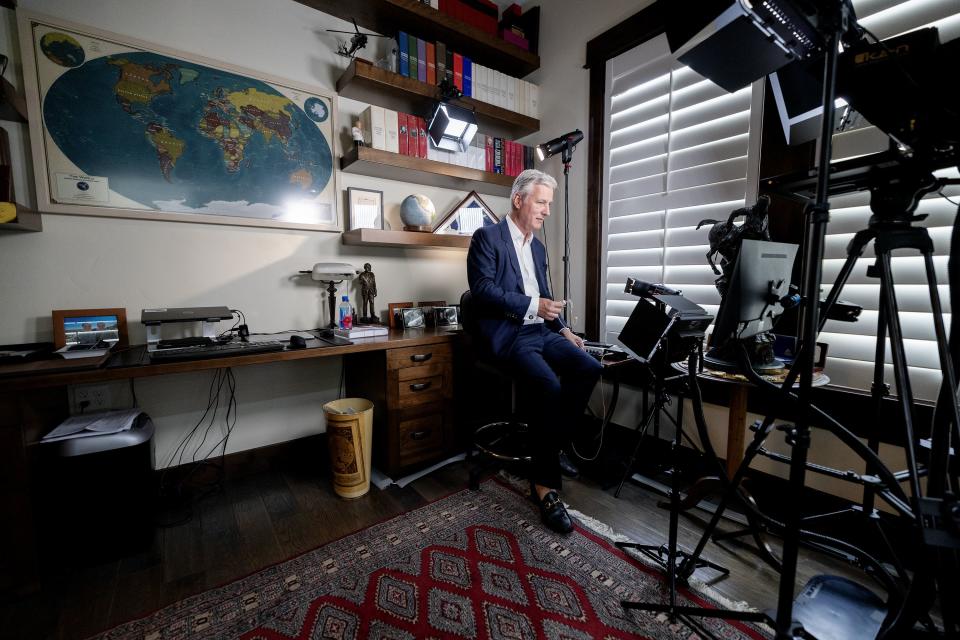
x=413, y=143
x=467, y=76
x=449, y=69
x=498, y=155
x=421, y=60
x=379, y=138
x=403, y=45
x=458, y=71
x=366, y=121
x=441, y=62
x=488, y=150
x=422, y=132
x=431, y=63
x=412, y=50
x=402, y=134
x=391, y=130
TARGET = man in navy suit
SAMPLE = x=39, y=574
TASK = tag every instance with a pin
x=507, y=272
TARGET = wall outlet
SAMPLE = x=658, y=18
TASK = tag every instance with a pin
x=88, y=398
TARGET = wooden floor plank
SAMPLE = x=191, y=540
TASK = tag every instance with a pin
x=266, y=517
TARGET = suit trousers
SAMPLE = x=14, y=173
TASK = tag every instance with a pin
x=555, y=380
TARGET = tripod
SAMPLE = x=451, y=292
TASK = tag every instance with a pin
x=893, y=202
x=676, y=555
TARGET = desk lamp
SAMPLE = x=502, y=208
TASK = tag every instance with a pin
x=332, y=273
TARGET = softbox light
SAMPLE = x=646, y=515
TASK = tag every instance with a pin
x=735, y=43
x=451, y=128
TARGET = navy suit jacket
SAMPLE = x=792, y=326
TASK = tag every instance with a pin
x=496, y=284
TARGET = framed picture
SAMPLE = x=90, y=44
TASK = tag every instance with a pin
x=125, y=128
x=89, y=326
x=446, y=316
x=467, y=216
x=413, y=318
x=393, y=313
x=366, y=208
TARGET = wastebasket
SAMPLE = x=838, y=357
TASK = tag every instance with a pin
x=349, y=438
x=96, y=494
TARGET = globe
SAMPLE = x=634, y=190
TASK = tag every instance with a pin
x=417, y=213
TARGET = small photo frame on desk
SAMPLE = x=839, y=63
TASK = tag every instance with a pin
x=413, y=318
x=393, y=313
x=366, y=208
x=77, y=328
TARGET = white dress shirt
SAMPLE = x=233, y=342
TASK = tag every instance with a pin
x=522, y=245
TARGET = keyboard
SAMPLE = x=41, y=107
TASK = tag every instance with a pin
x=205, y=352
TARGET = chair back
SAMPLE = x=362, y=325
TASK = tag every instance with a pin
x=468, y=313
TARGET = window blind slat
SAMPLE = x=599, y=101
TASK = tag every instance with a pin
x=638, y=222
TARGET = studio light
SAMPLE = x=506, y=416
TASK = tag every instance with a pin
x=451, y=128
x=564, y=144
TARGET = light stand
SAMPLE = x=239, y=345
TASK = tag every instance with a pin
x=565, y=144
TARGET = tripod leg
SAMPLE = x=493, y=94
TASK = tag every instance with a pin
x=642, y=431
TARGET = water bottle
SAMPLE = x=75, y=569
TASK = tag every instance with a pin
x=346, y=313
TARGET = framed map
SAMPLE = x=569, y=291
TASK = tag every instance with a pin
x=123, y=128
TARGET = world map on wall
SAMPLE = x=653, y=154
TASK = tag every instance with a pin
x=176, y=136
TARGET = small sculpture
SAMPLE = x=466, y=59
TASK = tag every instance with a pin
x=357, y=132
x=725, y=239
x=368, y=291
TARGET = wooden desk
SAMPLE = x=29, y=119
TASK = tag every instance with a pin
x=408, y=376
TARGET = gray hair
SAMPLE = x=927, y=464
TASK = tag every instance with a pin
x=525, y=182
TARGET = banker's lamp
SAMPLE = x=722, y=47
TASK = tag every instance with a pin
x=451, y=128
x=564, y=145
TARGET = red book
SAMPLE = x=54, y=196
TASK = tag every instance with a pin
x=423, y=137
x=488, y=149
x=431, y=63
x=402, y=133
x=413, y=137
x=458, y=71
x=513, y=158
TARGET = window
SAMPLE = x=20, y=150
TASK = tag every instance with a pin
x=852, y=345
x=679, y=150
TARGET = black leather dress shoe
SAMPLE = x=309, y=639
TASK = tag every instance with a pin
x=554, y=514
x=567, y=468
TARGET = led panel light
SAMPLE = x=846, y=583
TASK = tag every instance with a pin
x=451, y=128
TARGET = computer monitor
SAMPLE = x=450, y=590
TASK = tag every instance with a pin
x=760, y=279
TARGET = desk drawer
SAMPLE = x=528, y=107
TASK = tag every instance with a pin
x=420, y=438
x=420, y=390
x=417, y=356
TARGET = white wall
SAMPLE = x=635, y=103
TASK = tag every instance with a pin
x=565, y=28
x=85, y=262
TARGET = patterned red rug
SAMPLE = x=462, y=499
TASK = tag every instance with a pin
x=476, y=564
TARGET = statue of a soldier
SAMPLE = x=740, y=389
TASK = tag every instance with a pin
x=368, y=291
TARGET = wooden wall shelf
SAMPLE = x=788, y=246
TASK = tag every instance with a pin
x=367, y=83
x=26, y=220
x=389, y=16
x=409, y=239
x=393, y=166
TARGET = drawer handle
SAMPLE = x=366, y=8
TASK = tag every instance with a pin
x=420, y=435
x=421, y=357
x=420, y=386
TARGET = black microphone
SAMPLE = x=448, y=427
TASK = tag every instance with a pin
x=647, y=289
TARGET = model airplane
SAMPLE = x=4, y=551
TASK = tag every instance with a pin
x=357, y=41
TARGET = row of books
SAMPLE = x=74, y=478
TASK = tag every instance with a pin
x=431, y=63
x=406, y=134
x=481, y=14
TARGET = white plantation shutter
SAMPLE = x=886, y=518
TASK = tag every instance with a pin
x=852, y=347
x=678, y=151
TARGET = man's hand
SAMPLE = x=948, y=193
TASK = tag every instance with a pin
x=550, y=309
x=568, y=333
